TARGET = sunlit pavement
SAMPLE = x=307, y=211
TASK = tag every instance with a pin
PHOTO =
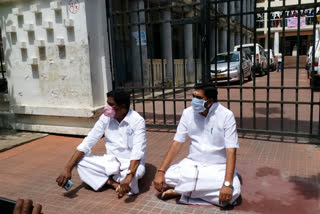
x=279, y=176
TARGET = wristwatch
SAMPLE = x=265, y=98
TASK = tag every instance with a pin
x=228, y=184
x=129, y=172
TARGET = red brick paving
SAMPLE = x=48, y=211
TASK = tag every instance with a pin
x=278, y=177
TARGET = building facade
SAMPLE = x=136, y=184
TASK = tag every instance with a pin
x=308, y=17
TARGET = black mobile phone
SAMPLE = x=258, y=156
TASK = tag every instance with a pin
x=7, y=205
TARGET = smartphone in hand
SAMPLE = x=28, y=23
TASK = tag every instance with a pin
x=68, y=185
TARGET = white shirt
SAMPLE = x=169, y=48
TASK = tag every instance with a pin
x=210, y=135
x=126, y=140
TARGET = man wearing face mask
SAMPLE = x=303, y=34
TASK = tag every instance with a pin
x=125, y=142
x=207, y=175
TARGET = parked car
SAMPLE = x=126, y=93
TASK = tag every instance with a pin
x=315, y=74
x=272, y=61
x=309, y=58
x=221, y=74
x=261, y=65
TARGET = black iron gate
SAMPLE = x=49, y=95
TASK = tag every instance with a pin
x=161, y=48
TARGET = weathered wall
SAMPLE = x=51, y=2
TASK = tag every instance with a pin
x=55, y=54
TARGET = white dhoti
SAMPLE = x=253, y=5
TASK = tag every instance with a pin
x=96, y=170
x=200, y=183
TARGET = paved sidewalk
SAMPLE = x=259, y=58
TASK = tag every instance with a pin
x=278, y=177
x=11, y=138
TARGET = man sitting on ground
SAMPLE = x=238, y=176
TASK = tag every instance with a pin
x=125, y=142
x=208, y=174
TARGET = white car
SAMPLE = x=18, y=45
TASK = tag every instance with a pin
x=261, y=65
x=272, y=62
x=315, y=74
x=220, y=72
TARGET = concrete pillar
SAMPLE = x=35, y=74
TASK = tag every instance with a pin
x=137, y=54
x=222, y=40
x=244, y=38
x=166, y=42
x=276, y=43
x=223, y=7
x=212, y=42
x=188, y=47
x=236, y=38
x=231, y=39
x=232, y=9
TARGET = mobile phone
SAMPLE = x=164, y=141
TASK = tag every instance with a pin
x=7, y=205
x=68, y=185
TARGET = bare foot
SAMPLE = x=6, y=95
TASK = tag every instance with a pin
x=112, y=183
x=168, y=194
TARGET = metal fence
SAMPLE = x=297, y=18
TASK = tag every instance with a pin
x=3, y=80
x=161, y=48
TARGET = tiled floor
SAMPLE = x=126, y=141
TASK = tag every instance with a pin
x=278, y=177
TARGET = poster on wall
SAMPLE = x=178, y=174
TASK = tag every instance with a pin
x=293, y=22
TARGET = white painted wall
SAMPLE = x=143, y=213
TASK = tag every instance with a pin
x=67, y=87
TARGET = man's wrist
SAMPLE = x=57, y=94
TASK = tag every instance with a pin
x=228, y=184
x=161, y=171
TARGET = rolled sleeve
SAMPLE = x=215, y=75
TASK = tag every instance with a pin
x=182, y=129
x=94, y=135
x=139, y=141
x=230, y=132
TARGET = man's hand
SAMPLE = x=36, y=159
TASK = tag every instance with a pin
x=25, y=207
x=159, y=182
x=64, y=177
x=124, y=187
x=225, y=195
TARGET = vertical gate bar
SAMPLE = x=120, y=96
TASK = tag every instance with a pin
x=141, y=65
x=202, y=23
x=113, y=65
x=204, y=41
x=268, y=67
x=216, y=43
x=195, y=53
x=122, y=31
x=297, y=69
x=254, y=65
x=282, y=61
x=228, y=52
x=184, y=62
x=313, y=60
x=162, y=71
x=150, y=47
x=241, y=56
x=173, y=69
x=207, y=40
x=130, y=54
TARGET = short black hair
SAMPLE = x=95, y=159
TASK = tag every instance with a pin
x=210, y=91
x=120, y=97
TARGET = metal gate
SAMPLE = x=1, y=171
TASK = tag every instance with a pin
x=161, y=48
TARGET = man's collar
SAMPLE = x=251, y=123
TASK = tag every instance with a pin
x=127, y=117
x=213, y=107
